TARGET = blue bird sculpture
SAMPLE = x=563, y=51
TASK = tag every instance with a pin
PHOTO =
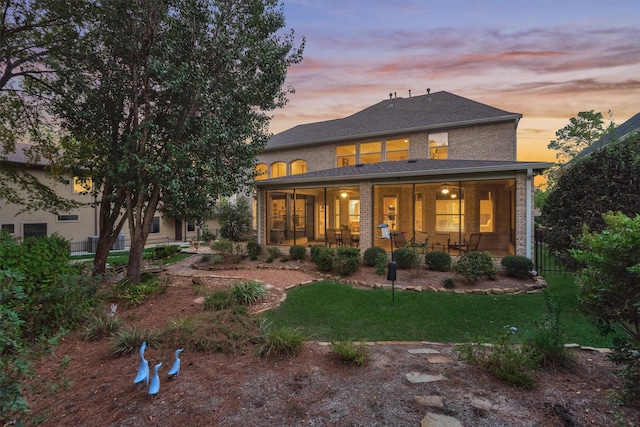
x=143, y=368
x=154, y=386
x=175, y=369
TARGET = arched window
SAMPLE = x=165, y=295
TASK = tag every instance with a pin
x=298, y=166
x=261, y=172
x=278, y=169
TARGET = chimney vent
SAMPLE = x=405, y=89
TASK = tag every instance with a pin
x=394, y=95
x=390, y=96
x=409, y=93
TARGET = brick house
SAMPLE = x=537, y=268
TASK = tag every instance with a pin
x=436, y=166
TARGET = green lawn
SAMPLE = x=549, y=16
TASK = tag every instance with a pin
x=329, y=311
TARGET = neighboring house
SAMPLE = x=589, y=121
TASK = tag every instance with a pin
x=436, y=166
x=81, y=225
x=619, y=133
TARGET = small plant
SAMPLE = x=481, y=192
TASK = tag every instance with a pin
x=449, y=283
x=219, y=300
x=273, y=252
x=279, y=342
x=502, y=359
x=128, y=341
x=546, y=342
x=207, y=235
x=248, y=292
x=135, y=294
x=254, y=249
x=381, y=263
x=438, y=260
x=474, y=265
x=298, y=252
x=206, y=258
x=517, y=266
x=405, y=258
x=370, y=257
x=102, y=325
x=222, y=247
x=350, y=352
x=284, y=258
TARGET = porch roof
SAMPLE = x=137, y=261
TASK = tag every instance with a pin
x=396, y=116
x=407, y=169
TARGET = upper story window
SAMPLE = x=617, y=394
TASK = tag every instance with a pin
x=370, y=152
x=397, y=149
x=346, y=155
x=261, y=172
x=298, y=166
x=438, y=145
x=82, y=185
x=278, y=169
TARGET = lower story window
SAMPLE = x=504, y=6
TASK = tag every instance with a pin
x=67, y=217
x=155, y=225
x=34, y=230
x=9, y=228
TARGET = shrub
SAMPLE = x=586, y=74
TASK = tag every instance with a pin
x=222, y=247
x=438, y=260
x=249, y=292
x=346, y=261
x=324, y=258
x=381, y=263
x=207, y=235
x=315, y=249
x=284, y=258
x=219, y=300
x=449, y=283
x=280, y=342
x=254, y=249
x=298, y=252
x=102, y=325
x=517, y=266
x=350, y=352
x=405, y=258
x=165, y=251
x=370, y=257
x=474, y=265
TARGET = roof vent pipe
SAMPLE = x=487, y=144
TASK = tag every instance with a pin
x=409, y=93
x=394, y=95
x=390, y=96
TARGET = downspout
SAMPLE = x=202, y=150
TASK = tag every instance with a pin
x=528, y=207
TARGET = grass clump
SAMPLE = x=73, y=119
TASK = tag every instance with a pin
x=134, y=294
x=351, y=352
x=249, y=292
x=129, y=340
x=279, y=342
x=102, y=325
x=219, y=300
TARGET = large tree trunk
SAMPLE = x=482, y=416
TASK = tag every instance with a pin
x=140, y=221
x=111, y=223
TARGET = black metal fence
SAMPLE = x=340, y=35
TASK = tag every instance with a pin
x=544, y=261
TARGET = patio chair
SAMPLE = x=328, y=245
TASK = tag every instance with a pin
x=348, y=239
x=400, y=240
x=440, y=242
x=473, y=243
x=332, y=237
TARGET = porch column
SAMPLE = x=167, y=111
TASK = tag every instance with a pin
x=261, y=217
x=366, y=216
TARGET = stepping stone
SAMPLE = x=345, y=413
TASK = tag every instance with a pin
x=422, y=351
x=433, y=401
x=439, y=359
x=419, y=377
x=439, y=420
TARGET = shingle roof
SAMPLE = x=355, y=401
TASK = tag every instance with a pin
x=405, y=169
x=620, y=132
x=20, y=156
x=394, y=116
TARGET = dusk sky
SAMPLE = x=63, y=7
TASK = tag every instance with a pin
x=547, y=60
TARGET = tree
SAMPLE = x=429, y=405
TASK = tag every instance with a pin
x=30, y=30
x=606, y=180
x=610, y=285
x=234, y=218
x=164, y=104
x=572, y=139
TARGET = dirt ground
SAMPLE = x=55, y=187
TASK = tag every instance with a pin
x=313, y=389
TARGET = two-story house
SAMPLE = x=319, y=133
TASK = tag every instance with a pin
x=436, y=166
